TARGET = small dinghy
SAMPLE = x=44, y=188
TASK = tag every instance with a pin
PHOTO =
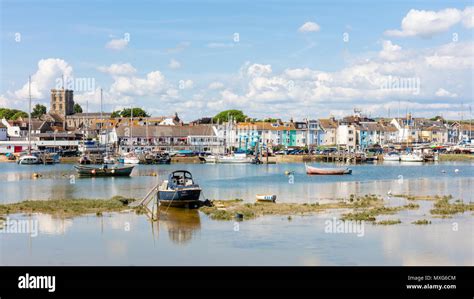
x=179, y=190
x=103, y=171
x=266, y=197
x=327, y=171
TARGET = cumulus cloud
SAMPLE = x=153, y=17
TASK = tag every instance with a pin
x=118, y=69
x=445, y=94
x=174, y=64
x=49, y=74
x=117, y=44
x=426, y=23
x=309, y=27
x=153, y=83
x=390, y=51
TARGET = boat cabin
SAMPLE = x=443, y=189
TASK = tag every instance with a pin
x=180, y=178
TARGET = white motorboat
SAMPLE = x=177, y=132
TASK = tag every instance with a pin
x=411, y=157
x=28, y=160
x=211, y=159
x=109, y=160
x=392, y=156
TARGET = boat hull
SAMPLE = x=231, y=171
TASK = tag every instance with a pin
x=103, y=172
x=183, y=198
x=327, y=171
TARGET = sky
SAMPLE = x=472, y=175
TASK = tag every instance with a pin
x=284, y=59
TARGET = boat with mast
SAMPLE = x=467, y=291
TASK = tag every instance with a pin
x=29, y=159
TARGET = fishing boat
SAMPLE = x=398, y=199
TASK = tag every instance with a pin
x=327, y=171
x=103, y=171
x=391, y=156
x=28, y=160
x=179, y=190
x=411, y=157
x=266, y=197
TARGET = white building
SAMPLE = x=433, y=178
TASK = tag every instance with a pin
x=346, y=136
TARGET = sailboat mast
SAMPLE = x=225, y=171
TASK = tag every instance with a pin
x=29, y=116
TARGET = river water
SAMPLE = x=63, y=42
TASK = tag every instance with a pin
x=188, y=237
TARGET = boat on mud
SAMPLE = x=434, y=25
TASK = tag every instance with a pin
x=327, y=171
x=411, y=157
x=103, y=171
x=179, y=190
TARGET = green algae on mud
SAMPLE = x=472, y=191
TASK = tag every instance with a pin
x=388, y=222
x=421, y=222
x=227, y=209
x=68, y=207
x=445, y=207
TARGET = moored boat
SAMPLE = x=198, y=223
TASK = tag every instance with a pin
x=411, y=157
x=392, y=156
x=327, y=171
x=266, y=197
x=131, y=159
x=28, y=160
x=237, y=157
x=103, y=171
x=179, y=190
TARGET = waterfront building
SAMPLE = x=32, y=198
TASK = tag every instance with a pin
x=166, y=138
x=346, y=136
x=327, y=135
x=3, y=132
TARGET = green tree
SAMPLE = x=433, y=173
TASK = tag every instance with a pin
x=127, y=112
x=77, y=108
x=223, y=116
x=19, y=114
x=12, y=114
x=38, y=111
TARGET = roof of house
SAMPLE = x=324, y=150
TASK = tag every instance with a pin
x=267, y=126
x=326, y=123
x=166, y=131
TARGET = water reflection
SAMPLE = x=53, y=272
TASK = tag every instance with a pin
x=181, y=224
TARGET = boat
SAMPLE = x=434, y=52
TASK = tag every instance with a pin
x=411, y=157
x=266, y=197
x=237, y=157
x=131, y=159
x=392, y=156
x=179, y=190
x=109, y=159
x=28, y=160
x=103, y=171
x=327, y=171
x=210, y=159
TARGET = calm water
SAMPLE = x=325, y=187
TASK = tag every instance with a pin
x=190, y=238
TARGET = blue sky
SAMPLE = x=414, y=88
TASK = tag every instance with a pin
x=198, y=36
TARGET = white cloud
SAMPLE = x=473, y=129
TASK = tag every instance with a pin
x=117, y=44
x=468, y=17
x=48, y=75
x=445, y=94
x=309, y=27
x=118, y=69
x=174, y=64
x=426, y=23
x=179, y=48
x=390, y=51
x=153, y=83
x=216, y=85
x=3, y=101
x=259, y=70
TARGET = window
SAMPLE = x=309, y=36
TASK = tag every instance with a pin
x=351, y=132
